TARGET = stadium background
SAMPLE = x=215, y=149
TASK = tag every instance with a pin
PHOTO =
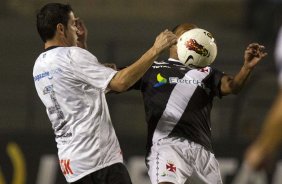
x=120, y=31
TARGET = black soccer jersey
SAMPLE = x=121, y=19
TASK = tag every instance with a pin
x=178, y=101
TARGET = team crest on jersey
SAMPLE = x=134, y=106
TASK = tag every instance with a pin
x=169, y=170
x=205, y=70
x=161, y=81
x=170, y=166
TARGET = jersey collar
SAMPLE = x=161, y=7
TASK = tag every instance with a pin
x=50, y=48
x=175, y=61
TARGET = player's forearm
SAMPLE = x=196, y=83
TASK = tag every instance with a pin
x=128, y=76
x=270, y=137
x=238, y=82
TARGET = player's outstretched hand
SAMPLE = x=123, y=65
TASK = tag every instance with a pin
x=82, y=34
x=164, y=40
x=253, y=54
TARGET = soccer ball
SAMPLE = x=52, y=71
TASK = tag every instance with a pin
x=196, y=48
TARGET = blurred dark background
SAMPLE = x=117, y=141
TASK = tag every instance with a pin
x=120, y=31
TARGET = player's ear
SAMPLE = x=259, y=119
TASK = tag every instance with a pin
x=60, y=28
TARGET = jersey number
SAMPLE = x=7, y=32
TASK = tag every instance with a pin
x=55, y=109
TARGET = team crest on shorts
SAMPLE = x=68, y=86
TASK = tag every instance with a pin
x=170, y=167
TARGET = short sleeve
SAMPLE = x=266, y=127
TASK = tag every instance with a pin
x=86, y=66
x=215, y=82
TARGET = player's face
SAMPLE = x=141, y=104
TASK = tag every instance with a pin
x=71, y=31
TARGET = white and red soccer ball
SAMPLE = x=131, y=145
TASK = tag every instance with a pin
x=196, y=48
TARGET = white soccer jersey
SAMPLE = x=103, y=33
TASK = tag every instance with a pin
x=278, y=55
x=72, y=85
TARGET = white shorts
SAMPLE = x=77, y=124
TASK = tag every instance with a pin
x=177, y=160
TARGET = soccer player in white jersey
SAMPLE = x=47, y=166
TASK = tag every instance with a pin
x=178, y=102
x=72, y=85
x=270, y=138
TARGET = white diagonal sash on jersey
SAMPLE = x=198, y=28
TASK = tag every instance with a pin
x=178, y=101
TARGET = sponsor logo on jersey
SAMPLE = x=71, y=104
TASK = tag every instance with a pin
x=160, y=66
x=41, y=76
x=176, y=80
x=161, y=81
x=48, y=74
x=66, y=167
x=168, y=174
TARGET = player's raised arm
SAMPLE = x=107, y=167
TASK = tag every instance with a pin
x=270, y=137
x=126, y=77
x=253, y=55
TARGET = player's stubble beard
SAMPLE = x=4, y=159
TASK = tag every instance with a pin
x=67, y=41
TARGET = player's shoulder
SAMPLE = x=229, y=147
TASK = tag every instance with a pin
x=206, y=69
x=210, y=71
x=214, y=69
x=78, y=52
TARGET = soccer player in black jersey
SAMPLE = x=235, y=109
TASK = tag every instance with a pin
x=178, y=102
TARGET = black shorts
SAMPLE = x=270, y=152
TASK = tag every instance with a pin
x=114, y=174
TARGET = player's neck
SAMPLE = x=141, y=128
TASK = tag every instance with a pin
x=173, y=56
x=52, y=43
x=57, y=41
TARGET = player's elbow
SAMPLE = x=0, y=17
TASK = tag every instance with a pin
x=227, y=90
x=229, y=86
x=120, y=85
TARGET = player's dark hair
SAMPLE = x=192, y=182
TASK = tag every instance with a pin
x=49, y=17
x=175, y=28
